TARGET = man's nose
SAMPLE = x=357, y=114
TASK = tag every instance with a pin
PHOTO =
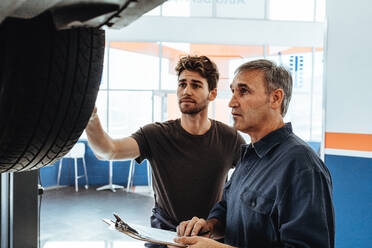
x=233, y=103
x=187, y=90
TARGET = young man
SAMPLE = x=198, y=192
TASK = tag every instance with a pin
x=190, y=157
x=280, y=192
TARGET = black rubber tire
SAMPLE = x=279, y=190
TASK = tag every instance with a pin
x=49, y=82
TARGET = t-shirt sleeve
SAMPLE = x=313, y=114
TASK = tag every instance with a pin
x=142, y=138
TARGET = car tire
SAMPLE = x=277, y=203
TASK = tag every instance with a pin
x=49, y=82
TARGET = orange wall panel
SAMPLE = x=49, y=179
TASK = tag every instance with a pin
x=348, y=141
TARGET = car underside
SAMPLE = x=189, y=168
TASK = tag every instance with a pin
x=51, y=60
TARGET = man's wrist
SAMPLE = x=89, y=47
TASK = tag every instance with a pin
x=215, y=227
x=210, y=226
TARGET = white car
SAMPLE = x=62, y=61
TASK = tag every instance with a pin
x=51, y=59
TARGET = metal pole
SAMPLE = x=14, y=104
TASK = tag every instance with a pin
x=5, y=207
x=24, y=219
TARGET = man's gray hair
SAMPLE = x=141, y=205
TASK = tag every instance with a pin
x=275, y=77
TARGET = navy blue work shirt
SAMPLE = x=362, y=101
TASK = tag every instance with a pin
x=280, y=195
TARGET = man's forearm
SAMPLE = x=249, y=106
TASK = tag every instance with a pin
x=100, y=142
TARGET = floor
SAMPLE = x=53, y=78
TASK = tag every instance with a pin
x=74, y=219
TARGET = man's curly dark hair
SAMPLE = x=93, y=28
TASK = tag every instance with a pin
x=201, y=64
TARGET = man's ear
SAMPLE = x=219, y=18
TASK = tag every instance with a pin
x=212, y=94
x=276, y=99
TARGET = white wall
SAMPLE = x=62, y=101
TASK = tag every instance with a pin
x=221, y=31
x=348, y=68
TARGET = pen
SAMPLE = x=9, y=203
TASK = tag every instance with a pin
x=203, y=233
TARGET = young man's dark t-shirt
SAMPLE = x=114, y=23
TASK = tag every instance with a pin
x=189, y=171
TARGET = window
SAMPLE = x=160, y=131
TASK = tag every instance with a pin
x=320, y=10
x=293, y=10
x=128, y=111
x=142, y=83
x=299, y=60
x=134, y=65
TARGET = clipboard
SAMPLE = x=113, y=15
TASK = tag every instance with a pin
x=143, y=233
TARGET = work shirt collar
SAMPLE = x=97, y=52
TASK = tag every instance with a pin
x=268, y=142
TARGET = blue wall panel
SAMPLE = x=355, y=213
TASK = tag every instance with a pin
x=352, y=195
x=98, y=171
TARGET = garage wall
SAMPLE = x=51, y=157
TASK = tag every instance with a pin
x=348, y=118
x=98, y=172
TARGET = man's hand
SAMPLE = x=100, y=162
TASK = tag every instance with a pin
x=199, y=242
x=193, y=227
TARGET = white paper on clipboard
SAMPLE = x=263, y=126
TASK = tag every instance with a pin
x=143, y=233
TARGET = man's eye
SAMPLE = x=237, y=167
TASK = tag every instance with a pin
x=243, y=91
x=181, y=85
x=195, y=86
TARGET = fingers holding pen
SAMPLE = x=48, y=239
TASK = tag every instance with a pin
x=192, y=227
x=181, y=228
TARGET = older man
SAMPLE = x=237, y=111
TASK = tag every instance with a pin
x=280, y=192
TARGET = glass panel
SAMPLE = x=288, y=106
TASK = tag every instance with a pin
x=222, y=110
x=101, y=104
x=171, y=53
x=241, y=9
x=134, y=65
x=129, y=110
x=317, y=122
x=294, y=10
x=299, y=114
x=187, y=8
x=158, y=108
x=168, y=74
x=320, y=10
x=173, y=110
x=299, y=61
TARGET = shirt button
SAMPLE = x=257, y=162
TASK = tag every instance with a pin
x=253, y=203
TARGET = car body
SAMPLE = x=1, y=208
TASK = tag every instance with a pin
x=88, y=13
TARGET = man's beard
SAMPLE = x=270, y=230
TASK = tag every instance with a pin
x=198, y=107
